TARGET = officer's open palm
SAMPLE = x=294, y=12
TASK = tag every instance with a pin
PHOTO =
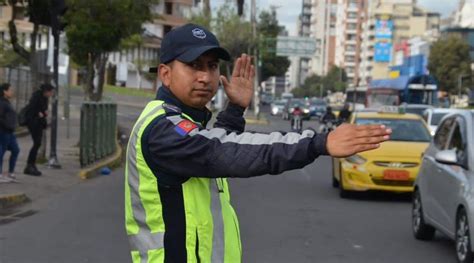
x=349, y=139
x=240, y=87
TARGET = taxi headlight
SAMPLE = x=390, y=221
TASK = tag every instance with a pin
x=356, y=159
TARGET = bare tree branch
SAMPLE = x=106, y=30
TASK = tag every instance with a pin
x=14, y=34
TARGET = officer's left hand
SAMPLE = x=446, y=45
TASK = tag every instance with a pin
x=240, y=88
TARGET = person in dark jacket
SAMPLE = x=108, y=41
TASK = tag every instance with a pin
x=7, y=136
x=36, y=121
x=345, y=114
x=177, y=204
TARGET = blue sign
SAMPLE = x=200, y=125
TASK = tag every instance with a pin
x=383, y=29
x=383, y=51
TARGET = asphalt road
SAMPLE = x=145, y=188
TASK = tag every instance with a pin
x=293, y=217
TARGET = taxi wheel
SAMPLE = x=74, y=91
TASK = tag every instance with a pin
x=335, y=182
x=463, y=238
x=421, y=230
x=343, y=193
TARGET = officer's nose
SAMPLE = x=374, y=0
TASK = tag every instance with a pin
x=204, y=76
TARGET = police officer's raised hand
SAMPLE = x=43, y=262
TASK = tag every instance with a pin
x=348, y=139
x=240, y=87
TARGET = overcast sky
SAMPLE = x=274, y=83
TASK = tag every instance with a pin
x=289, y=10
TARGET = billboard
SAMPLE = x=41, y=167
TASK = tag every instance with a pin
x=383, y=28
x=296, y=46
x=383, y=40
x=383, y=51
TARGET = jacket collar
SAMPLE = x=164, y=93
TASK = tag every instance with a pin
x=201, y=116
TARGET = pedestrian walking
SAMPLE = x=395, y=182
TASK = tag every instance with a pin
x=177, y=201
x=8, y=142
x=36, y=121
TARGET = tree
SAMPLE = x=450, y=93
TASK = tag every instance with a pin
x=37, y=11
x=96, y=28
x=335, y=80
x=449, y=59
x=269, y=29
x=234, y=34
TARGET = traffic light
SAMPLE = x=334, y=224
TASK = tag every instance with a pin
x=43, y=12
x=240, y=7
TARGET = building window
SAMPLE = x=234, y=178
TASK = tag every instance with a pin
x=168, y=8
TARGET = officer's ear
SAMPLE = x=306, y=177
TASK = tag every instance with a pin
x=164, y=73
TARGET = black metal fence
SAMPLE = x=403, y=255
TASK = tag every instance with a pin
x=20, y=79
x=98, y=131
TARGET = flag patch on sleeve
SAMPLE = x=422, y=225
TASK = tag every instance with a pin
x=184, y=127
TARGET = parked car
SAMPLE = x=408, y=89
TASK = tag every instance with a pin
x=394, y=165
x=443, y=198
x=433, y=117
x=277, y=107
x=317, y=107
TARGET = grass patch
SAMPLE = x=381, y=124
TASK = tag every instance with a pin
x=125, y=91
x=130, y=91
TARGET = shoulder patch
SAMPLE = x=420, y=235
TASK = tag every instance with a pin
x=169, y=108
x=184, y=127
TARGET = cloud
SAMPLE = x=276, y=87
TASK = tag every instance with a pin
x=440, y=6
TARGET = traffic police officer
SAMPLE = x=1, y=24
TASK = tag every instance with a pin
x=177, y=203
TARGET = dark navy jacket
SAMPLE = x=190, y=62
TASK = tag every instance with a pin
x=223, y=151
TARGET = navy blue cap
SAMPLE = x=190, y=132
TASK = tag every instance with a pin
x=186, y=43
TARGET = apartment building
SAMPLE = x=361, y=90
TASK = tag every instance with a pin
x=323, y=29
x=391, y=22
x=350, y=17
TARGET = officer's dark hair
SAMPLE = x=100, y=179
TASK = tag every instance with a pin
x=46, y=87
x=4, y=87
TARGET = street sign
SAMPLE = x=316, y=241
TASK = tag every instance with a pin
x=296, y=46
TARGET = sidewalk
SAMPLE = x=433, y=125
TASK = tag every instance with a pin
x=53, y=180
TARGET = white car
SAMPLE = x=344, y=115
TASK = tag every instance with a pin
x=434, y=115
x=443, y=199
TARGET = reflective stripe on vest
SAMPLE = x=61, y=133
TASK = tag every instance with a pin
x=211, y=224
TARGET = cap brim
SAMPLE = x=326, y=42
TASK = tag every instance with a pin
x=193, y=54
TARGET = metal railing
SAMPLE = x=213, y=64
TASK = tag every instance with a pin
x=98, y=131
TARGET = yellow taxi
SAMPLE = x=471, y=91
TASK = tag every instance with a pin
x=392, y=167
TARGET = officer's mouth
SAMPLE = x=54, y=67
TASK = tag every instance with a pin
x=203, y=92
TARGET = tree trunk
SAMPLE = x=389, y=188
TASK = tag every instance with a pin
x=14, y=34
x=33, y=58
x=95, y=78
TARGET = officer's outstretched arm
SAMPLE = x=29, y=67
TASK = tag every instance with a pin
x=179, y=147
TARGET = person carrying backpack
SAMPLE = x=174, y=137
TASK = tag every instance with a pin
x=8, y=140
x=36, y=121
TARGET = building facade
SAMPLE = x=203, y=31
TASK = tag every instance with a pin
x=391, y=22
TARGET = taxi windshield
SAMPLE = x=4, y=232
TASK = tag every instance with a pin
x=402, y=130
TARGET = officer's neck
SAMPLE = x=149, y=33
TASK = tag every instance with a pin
x=199, y=115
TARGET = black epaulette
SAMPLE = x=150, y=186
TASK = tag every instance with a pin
x=171, y=109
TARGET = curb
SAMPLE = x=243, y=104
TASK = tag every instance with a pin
x=256, y=121
x=113, y=161
x=21, y=132
x=262, y=120
x=13, y=200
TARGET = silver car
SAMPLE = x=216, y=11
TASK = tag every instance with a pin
x=443, y=199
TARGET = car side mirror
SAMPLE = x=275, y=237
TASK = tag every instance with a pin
x=447, y=157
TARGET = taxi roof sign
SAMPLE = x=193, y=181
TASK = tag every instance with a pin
x=391, y=109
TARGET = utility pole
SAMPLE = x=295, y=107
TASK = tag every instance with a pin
x=55, y=24
x=256, y=102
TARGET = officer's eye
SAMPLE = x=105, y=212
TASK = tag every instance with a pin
x=195, y=65
x=214, y=66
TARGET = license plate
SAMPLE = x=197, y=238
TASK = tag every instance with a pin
x=396, y=175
